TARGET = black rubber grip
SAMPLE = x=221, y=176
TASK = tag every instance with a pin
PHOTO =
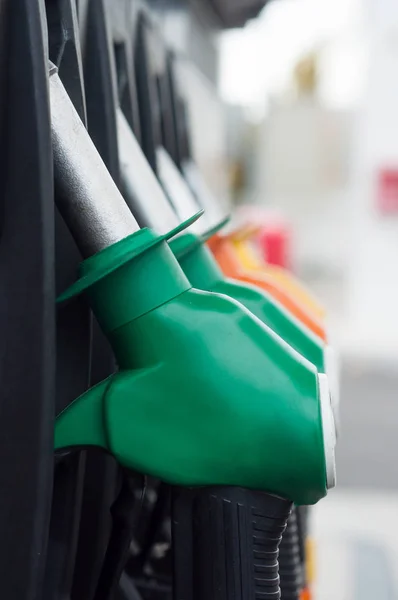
x=231, y=552
x=290, y=565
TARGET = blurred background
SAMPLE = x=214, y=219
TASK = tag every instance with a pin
x=302, y=124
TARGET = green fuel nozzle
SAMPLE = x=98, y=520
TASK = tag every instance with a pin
x=207, y=398
x=203, y=272
x=205, y=393
x=146, y=198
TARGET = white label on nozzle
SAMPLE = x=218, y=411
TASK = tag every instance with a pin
x=328, y=429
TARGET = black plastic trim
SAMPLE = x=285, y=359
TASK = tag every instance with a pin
x=27, y=303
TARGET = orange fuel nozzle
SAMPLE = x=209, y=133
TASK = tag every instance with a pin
x=252, y=260
x=223, y=249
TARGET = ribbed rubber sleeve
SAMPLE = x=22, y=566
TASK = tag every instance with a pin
x=235, y=538
x=290, y=564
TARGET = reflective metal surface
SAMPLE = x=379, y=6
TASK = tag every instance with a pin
x=142, y=190
x=86, y=194
x=177, y=190
x=212, y=206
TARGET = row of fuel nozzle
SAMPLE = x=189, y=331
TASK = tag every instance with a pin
x=226, y=384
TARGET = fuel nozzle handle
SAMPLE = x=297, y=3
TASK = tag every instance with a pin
x=232, y=549
x=86, y=195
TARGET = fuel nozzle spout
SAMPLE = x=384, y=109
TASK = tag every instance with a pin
x=142, y=191
x=87, y=197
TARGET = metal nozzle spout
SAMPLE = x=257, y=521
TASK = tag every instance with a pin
x=86, y=194
x=177, y=189
x=142, y=190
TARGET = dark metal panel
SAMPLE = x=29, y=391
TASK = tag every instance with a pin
x=27, y=307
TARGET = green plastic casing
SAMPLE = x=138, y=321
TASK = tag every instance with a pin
x=203, y=272
x=206, y=394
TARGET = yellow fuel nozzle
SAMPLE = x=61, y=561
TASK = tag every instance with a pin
x=252, y=261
